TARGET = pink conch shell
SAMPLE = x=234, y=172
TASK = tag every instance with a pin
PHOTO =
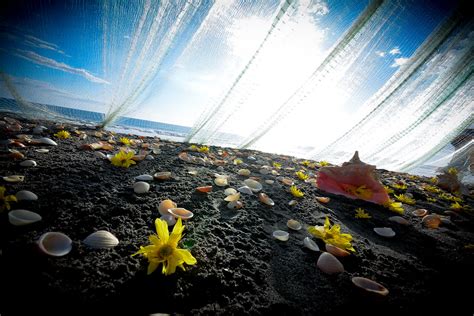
x=354, y=179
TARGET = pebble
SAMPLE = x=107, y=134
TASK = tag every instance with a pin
x=144, y=177
x=25, y=195
x=310, y=244
x=28, y=163
x=281, y=235
x=141, y=187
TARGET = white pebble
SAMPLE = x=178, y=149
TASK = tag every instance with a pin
x=141, y=187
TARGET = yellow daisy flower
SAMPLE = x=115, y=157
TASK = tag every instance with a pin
x=123, y=159
x=332, y=235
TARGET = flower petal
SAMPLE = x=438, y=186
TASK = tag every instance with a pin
x=186, y=256
x=152, y=266
x=176, y=234
x=162, y=230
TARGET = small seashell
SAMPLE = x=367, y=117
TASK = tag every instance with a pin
x=15, y=154
x=25, y=195
x=28, y=163
x=246, y=190
x=149, y=157
x=287, y=181
x=101, y=155
x=292, y=202
x=265, y=199
x=370, y=286
x=101, y=239
x=310, y=244
x=42, y=150
x=47, y=141
x=329, y=264
x=221, y=181
x=281, y=235
x=399, y=220
x=384, y=231
x=181, y=213
x=323, y=199
x=230, y=191
x=235, y=205
x=23, y=217
x=55, y=244
x=14, y=178
x=431, y=221
x=244, y=172
x=165, y=205
x=141, y=187
x=169, y=219
x=232, y=197
x=255, y=186
x=164, y=175
x=269, y=182
x=205, y=189
x=338, y=252
x=294, y=224
x=420, y=212
x=144, y=177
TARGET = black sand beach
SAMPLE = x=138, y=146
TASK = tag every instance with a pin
x=241, y=268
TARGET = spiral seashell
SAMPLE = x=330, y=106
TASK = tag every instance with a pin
x=55, y=244
x=101, y=239
x=23, y=217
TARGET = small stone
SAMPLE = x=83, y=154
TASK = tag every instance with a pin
x=281, y=235
x=310, y=244
x=384, y=232
x=144, y=177
x=42, y=150
x=141, y=187
x=25, y=195
x=230, y=191
x=329, y=264
x=28, y=163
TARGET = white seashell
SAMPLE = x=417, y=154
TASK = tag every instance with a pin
x=23, y=217
x=265, y=199
x=246, y=190
x=163, y=175
x=234, y=205
x=47, y=141
x=269, y=182
x=42, y=150
x=221, y=181
x=165, y=205
x=28, y=163
x=244, y=172
x=384, y=231
x=55, y=244
x=99, y=154
x=181, y=213
x=141, y=187
x=14, y=178
x=292, y=202
x=230, y=191
x=101, y=239
x=149, y=157
x=370, y=286
x=310, y=244
x=281, y=235
x=169, y=219
x=399, y=220
x=144, y=177
x=294, y=224
x=24, y=195
x=255, y=186
x=232, y=197
x=329, y=264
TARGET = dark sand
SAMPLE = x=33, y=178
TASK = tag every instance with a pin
x=241, y=268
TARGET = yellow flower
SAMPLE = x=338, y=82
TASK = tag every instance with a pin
x=305, y=163
x=434, y=180
x=361, y=192
x=277, y=165
x=125, y=141
x=164, y=249
x=394, y=206
x=430, y=199
x=62, y=134
x=399, y=186
x=295, y=191
x=453, y=171
x=5, y=199
x=431, y=188
x=300, y=174
x=405, y=199
x=361, y=213
x=237, y=161
x=455, y=206
x=203, y=149
x=332, y=235
x=389, y=190
x=193, y=148
x=323, y=163
x=123, y=159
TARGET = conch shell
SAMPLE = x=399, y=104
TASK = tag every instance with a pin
x=354, y=179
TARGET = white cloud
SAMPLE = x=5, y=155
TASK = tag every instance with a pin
x=48, y=62
x=395, y=51
x=39, y=43
x=380, y=53
x=397, y=62
x=318, y=8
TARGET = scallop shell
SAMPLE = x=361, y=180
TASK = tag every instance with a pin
x=144, y=177
x=28, y=163
x=232, y=197
x=230, y=191
x=420, y=212
x=384, y=232
x=265, y=199
x=281, y=235
x=370, y=286
x=329, y=264
x=164, y=175
x=205, y=189
x=294, y=224
x=221, y=181
x=55, y=244
x=25, y=195
x=310, y=244
x=47, y=141
x=246, y=190
x=169, y=219
x=244, y=172
x=399, y=220
x=235, y=205
x=338, y=252
x=23, y=217
x=431, y=221
x=141, y=187
x=165, y=205
x=255, y=186
x=101, y=239
x=181, y=213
